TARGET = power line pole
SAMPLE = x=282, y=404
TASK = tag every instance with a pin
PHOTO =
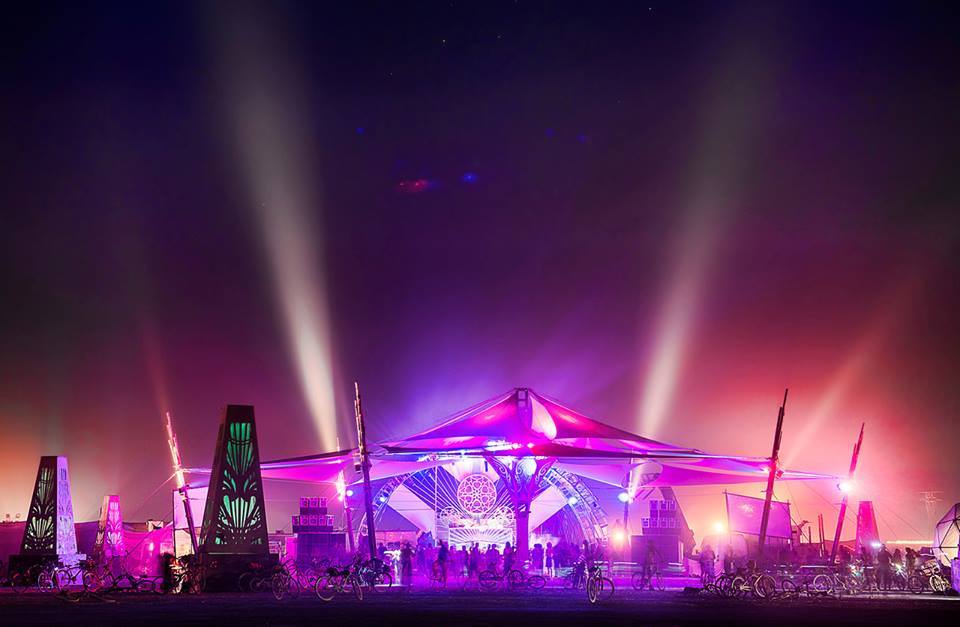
x=774, y=460
x=929, y=498
x=365, y=467
x=846, y=495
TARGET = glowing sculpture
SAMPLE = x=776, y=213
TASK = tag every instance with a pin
x=49, y=531
x=234, y=519
x=867, y=534
x=109, y=542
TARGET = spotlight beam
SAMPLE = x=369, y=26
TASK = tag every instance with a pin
x=267, y=108
x=733, y=104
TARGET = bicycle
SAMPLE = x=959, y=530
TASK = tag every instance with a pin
x=284, y=583
x=375, y=572
x=338, y=580
x=125, y=581
x=598, y=586
x=82, y=574
x=650, y=578
x=835, y=583
x=929, y=575
x=514, y=579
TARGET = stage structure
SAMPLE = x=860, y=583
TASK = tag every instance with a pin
x=494, y=471
x=234, y=520
x=109, y=543
x=49, y=533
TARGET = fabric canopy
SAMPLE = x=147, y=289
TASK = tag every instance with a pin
x=522, y=422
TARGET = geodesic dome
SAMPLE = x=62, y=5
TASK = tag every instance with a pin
x=946, y=535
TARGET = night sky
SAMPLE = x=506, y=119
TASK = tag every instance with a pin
x=662, y=214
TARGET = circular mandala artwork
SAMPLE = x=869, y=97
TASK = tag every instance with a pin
x=477, y=493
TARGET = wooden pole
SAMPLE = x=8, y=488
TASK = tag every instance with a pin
x=823, y=545
x=365, y=467
x=774, y=460
x=843, y=502
x=182, y=486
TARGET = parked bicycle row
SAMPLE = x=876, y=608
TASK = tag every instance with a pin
x=839, y=581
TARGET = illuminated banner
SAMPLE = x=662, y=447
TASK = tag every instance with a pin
x=745, y=512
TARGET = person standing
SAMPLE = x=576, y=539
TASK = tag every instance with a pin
x=550, y=557
x=883, y=568
x=473, y=566
x=537, y=558
x=728, y=564
x=406, y=565
x=651, y=564
x=507, y=558
x=442, y=556
x=707, y=558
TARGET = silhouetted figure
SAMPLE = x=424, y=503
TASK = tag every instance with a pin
x=707, y=559
x=473, y=567
x=651, y=562
x=911, y=560
x=883, y=568
x=507, y=558
x=442, y=556
x=536, y=556
x=728, y=564
x=406, y=565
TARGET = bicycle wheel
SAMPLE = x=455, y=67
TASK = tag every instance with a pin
x=536, y=582
x=45, y=582
x=789, y=589
x=19, y=583
x=293, y=587
x=514, y=579
x=243, y=582
x=765, y=587
x=915, y=584
x=606, y=588
x=657, y=582
x=899, y=582
x=593, y=592
x=149, y=584
x=739, y=587
x=488, y=580
x=278, y=585
x=823, y=584
x=326, y=587
x=938, y=584
x=637, y=580
x=60, y=580
x=385, y=579
x=354, y=583
x=92, y=581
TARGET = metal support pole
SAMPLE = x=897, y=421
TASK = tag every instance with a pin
x=843, y=502
x=365, y=467
x=774, y=460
